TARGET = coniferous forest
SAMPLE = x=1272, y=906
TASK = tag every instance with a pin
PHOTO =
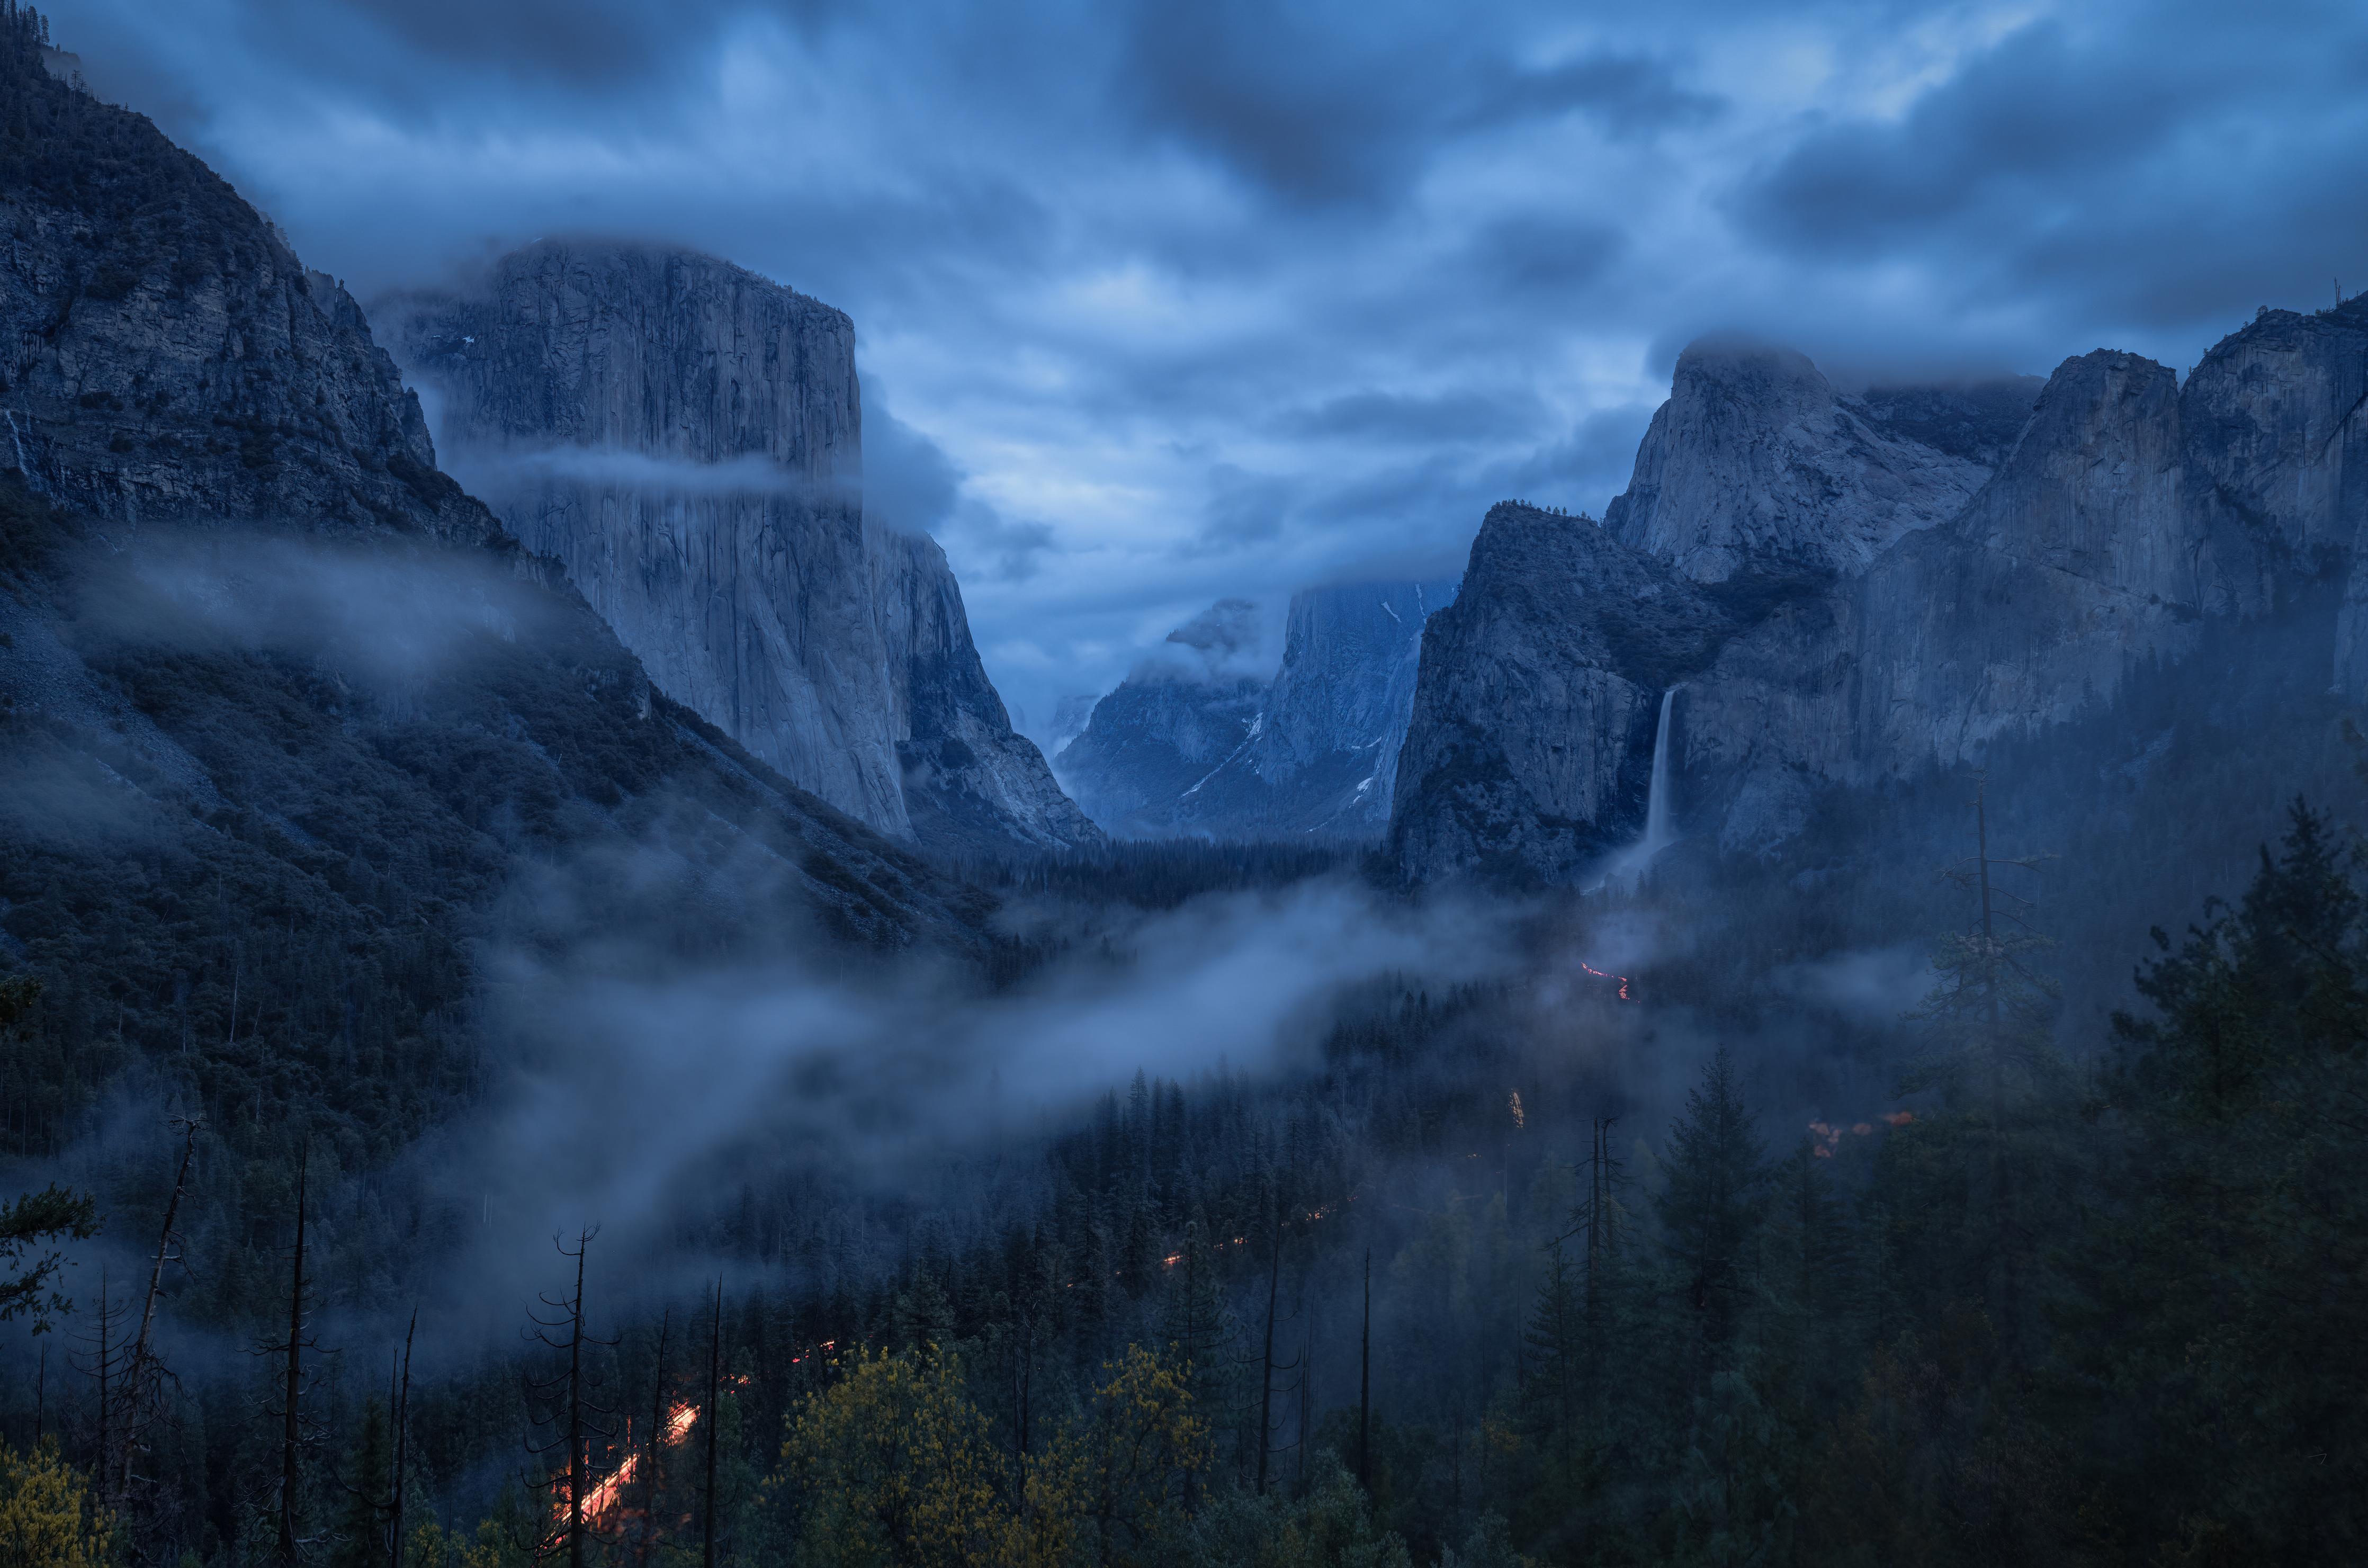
x=1457, y=1289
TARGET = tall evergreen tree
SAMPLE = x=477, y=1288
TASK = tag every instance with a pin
x=1712, y=1201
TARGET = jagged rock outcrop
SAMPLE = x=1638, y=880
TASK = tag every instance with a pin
x=971, y=784
x=2077, y=558
x=1325, y=759
x=1761, y=495
x=1529, y=750
x=1757, y=467
x=167, y=357
x=1201, y=748
x=686, y=437
x=1866, y=642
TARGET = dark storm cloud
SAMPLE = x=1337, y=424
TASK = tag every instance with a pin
x=2149, y=163
x=1158, y=303
x=1321, y=105
x=1537, y=257
x=1443, y=418
x=1243, y=508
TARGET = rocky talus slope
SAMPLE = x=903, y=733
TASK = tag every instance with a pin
x=1888, y=584
x=686, y=437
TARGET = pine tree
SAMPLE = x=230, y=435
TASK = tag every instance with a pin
x=1712, y=1201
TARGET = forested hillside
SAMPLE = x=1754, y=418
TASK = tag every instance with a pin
x=2034, y=1302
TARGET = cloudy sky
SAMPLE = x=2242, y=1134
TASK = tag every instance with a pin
x=1161, y=300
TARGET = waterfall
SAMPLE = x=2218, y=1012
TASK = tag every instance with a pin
x=32, y=480
x=1627, y=868
x=1657, y=835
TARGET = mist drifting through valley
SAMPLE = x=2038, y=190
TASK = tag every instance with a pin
x=1181, y=788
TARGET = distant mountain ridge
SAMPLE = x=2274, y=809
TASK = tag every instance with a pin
x=1309, y=750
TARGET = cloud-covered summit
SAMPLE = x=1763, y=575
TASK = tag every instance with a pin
x=1182, y=302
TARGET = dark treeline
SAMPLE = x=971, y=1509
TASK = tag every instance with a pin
x=2059, y=1299
x=1163, y=873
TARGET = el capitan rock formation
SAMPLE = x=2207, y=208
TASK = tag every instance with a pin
x=686, y=437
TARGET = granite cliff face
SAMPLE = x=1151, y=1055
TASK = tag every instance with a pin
x=1757, y=467
x=686, y=437
x=1529, y=748
x=970, y=782
x=1893, y=584
x=252, y=633
x=165, y=355
x=1207, y=749
x=1181, y=714
x=1325, y=759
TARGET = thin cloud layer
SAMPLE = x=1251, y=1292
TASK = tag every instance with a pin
x=1159, y=305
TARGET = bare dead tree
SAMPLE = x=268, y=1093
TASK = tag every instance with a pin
x=1990, y=1008
x=144, y=1376
x=563, y=1401
x=296, y=1431
x=1269, y=1366
x=102, y=1361
x=657, y=1441
x=401, y=1442
x=1365, y=1387
x=714, y=1393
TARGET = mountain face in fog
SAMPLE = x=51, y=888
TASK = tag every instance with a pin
x=253, y=636
x=1203, y=748
x=169, y=358
x=686, y=438
x=1756, y=468
x=1851, y=591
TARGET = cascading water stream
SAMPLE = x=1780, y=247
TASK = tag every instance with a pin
x=1657, y=834
x=1628, y=867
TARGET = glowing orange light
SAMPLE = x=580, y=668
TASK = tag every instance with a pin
x=1603, y=974
x=680, y=1418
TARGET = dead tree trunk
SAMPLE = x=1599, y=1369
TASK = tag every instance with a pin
x=714, y=1420
x=565, y=1401
x=658, y=1440
x=136, y=1376
x=290, y=1432
x=1365, y=1387
x=1266, y=1375
x=401, y=1448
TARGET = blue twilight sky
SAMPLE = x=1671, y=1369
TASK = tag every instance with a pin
x=1163, y=300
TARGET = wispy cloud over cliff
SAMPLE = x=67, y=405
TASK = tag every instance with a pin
x=1224, y=298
